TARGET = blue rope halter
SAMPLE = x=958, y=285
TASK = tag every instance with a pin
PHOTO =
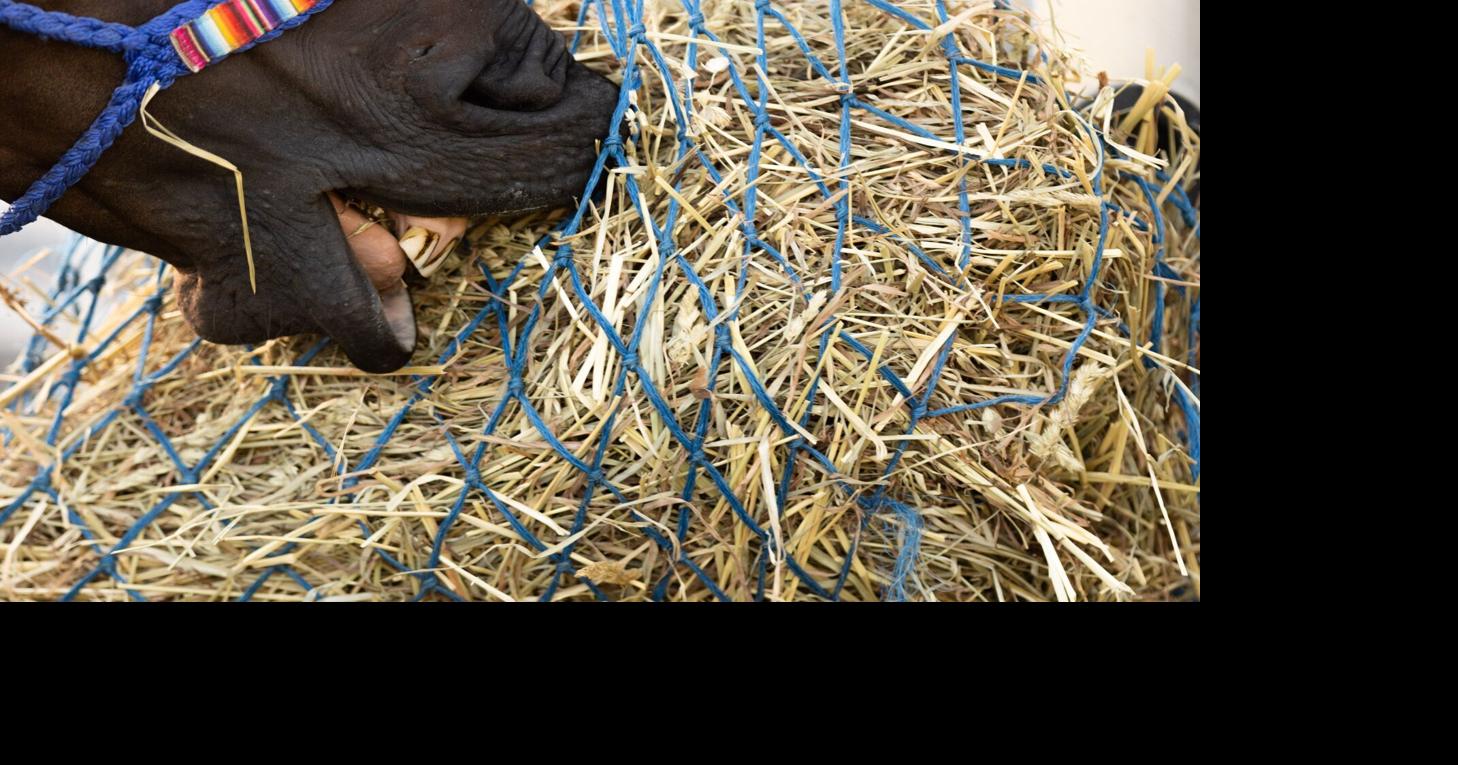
x=151, y=60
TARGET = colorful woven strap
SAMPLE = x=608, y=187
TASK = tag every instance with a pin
x=231, y=25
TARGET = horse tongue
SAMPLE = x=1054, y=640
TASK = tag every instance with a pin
x=424, y=242
x=382, y=260
x=373, y=247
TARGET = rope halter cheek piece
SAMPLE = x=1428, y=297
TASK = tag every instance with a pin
x=183, y=41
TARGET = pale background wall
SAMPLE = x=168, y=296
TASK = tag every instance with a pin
x=1113, y=35
x=14, y=250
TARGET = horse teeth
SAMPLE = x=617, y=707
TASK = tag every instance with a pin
x=419, y=245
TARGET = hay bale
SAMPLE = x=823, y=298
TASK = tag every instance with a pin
x=809, y=346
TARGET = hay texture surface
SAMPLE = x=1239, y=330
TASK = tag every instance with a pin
x=826, y=336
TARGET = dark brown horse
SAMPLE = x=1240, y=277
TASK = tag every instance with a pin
x=425, y=107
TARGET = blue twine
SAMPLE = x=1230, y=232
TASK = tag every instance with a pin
x=629, y=43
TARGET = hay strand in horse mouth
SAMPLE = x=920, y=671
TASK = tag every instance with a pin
x=806, y=330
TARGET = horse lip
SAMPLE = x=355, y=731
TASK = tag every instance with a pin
x=400, y=315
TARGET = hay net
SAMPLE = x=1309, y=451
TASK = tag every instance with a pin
x=872, y=309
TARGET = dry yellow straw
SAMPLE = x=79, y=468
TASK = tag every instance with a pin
x=159, y=130
x=1095, y=498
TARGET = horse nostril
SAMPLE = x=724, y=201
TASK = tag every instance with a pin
x=526, y=78
x=527, y=89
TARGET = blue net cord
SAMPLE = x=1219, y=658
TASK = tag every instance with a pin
x=620, y=22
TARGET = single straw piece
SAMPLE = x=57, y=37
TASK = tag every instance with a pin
x=159, y=130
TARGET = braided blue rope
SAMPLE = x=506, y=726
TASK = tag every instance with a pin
x=621, y=23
